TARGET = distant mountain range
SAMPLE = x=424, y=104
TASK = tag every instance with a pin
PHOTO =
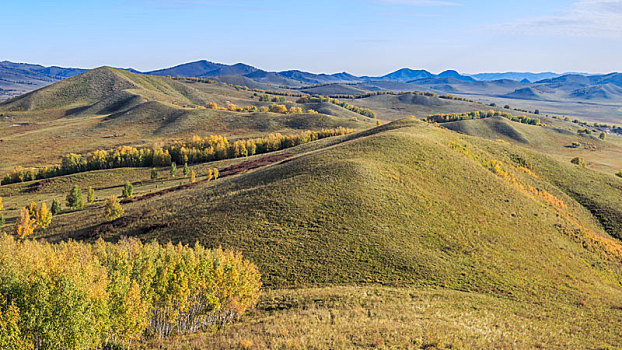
x=18, y=78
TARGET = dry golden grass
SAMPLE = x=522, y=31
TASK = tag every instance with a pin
x=408, y=318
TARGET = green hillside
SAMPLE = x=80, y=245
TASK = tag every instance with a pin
x=106, y=108
x=330, y=216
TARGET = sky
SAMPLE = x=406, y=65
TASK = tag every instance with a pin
x=363, y=37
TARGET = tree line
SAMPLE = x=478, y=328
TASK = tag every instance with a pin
x=197, y=150
x=274, y=108
x=81, y=296
x=452, y=117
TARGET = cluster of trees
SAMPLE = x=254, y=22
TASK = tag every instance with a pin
x=32, y=217
x=195, y=151
x=316, y=99
x=452, y=117
x=81, y=296
x=274, y=108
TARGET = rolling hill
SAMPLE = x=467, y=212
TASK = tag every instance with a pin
x=107, y=107
x=417, y=207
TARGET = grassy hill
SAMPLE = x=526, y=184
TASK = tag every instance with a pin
x=106, y=107
x=518, y=237
x=469, y=234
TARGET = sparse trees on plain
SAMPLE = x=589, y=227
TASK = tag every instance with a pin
x=26, y=225
x=74, y=198
x=128, y=190
x=173, y=169
x=56, y=207
x=90, y=197
x=112, y=208
x=44, y=216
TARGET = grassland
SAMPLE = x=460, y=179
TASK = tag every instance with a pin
x=105, y=108
x=473, y=234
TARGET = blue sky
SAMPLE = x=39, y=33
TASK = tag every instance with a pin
x=365, y=37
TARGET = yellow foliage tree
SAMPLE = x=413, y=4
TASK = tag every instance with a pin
x=193, y=176
x=25, y=224
x=32, y=209
x=44, y=216
x=112, y=208
x=216, y=173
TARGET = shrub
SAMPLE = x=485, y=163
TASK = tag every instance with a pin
x=619, y=173
x=173, y=169
x=80, y=296
x=74, y=198
x=90, y=197
x=602, y=136
x=112, y=208
x=56, y=207
x=128, y=190
x=1, y=220
x=578, y=161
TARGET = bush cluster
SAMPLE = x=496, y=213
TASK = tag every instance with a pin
x=80, y=296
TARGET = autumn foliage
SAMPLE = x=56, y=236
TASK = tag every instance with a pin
x=196, y=150
x=81, y=296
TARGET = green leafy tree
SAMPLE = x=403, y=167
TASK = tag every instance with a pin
x=112, y=208
x=173, y=169
x=186, y=170
x=602, y=136
x=1, y=220
x=74, y=198
x=128, y=190
x=90, y=197
x=56, y=207
x=154, y=174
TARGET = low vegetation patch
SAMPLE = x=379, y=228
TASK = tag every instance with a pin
x=77, y=296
